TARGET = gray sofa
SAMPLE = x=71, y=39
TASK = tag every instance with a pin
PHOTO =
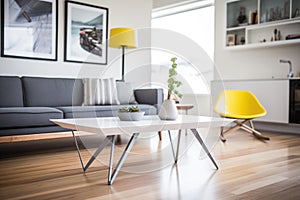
x=27, y=103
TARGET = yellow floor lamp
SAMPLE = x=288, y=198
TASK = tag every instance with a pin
x=122, y=38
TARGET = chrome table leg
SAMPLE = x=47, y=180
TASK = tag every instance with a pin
x=97, y=152
x=175, y=156
x=111, y=159
x=123, y=157
x=198, y=137
x=171, y=141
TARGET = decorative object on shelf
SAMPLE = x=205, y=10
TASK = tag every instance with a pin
x=131, y=113
x=277, y=35
x=278, y=12
x=243, y=40
x=168, y=110
x=122, y=38
x=297, y=13
x=230, y=40
x=292, y=36
x=86, y=33
x=242, y=16
x=253, y=17
x=286, y=8
x=29, y=30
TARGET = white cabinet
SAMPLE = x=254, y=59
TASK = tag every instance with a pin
x=273, y=94
x=262, y=23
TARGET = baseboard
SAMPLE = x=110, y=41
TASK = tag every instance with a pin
x=277, y=127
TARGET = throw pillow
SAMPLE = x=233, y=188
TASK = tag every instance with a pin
x=125, y=93
x=100, y=92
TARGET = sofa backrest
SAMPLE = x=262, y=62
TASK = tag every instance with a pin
x=52, y=92
x=11, y=94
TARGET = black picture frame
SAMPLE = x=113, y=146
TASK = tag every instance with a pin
x=29, y=29
x=86, y=33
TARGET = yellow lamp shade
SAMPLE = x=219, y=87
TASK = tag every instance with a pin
x=122, y=37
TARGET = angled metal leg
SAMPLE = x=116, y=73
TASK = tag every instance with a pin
x=78, y=150
x=178, y=143
x=123, y=157
x=111, y=159
x=198, y=137
x=172, y=146
x=175, y=156
x=106, y=141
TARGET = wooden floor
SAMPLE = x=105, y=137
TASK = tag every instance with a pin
x=249, y=169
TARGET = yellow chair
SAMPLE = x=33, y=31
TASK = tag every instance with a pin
x=242, y=106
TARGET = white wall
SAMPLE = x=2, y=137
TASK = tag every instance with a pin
x=254, y=63
x=125, y=13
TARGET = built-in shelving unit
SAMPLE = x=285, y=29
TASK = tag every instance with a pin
x=262, y=23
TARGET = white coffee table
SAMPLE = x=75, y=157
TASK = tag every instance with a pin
x=112, y=126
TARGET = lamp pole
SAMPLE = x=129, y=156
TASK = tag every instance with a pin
x=123, y=62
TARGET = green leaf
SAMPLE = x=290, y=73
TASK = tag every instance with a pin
x=173, y=84
x=172, y=72
x=173, y=59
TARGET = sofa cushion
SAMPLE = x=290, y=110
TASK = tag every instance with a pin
x=100, y=111
x=100, y=91
x=125, y=93
x=150, y=96
x=11, y=91
x=52, y=92
x=14, y=117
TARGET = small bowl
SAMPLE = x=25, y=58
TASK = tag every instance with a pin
x=130, y=116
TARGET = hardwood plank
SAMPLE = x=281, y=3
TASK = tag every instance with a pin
x=249, y=169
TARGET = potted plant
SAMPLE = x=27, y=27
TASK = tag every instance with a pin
x=168, y=110
x=131, y=113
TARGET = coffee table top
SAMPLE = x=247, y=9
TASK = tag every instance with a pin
x=151, y=123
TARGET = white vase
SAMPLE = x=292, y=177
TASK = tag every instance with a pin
x=168, y=110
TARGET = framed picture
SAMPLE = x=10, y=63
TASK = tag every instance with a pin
x=230, y=40
x=86, y=33
x=29, y=29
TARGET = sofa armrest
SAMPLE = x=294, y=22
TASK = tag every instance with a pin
x=150, y=96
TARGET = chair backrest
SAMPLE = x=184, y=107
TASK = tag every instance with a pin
x=239, y=104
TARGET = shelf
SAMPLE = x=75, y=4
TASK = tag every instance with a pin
x=273, y=23
x=236, y=28
x=264, y=44
x=270, y=25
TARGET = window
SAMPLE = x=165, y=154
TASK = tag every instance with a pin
x=195, y=21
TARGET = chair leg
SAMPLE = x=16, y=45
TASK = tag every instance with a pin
x=256, y=133
x=223, y=139
x=159, y=135
x=243, y=126
x=252, y=130
x=251, y=124
x=237, y=126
